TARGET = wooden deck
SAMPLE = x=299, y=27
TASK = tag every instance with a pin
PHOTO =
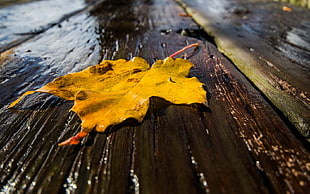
x=269, y=43
x=242, y=143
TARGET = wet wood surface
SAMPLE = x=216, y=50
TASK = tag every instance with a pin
x=269, y=42
x=239, y=144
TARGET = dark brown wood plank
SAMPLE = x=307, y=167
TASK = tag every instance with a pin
x=238, y=144
x=270, y=46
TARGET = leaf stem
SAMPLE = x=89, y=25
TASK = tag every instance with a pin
x=183, y=49
x=73, y=140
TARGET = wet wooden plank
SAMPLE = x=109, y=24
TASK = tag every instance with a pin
x=269, y=45
x=24, y=20
x=303, y=3
x=237, y=144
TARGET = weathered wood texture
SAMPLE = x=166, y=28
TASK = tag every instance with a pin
x=238, y=144
x=270, y=46
x=303, y=3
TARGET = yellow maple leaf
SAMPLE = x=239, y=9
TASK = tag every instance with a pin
x=112, y=91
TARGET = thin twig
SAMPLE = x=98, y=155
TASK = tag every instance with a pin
x=183, y=49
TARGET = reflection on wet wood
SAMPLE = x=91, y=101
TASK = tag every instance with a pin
x=238, y=144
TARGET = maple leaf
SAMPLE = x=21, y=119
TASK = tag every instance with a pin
x=115, y=90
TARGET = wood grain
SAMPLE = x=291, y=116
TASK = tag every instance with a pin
x=269, y=46
x=239, y=144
